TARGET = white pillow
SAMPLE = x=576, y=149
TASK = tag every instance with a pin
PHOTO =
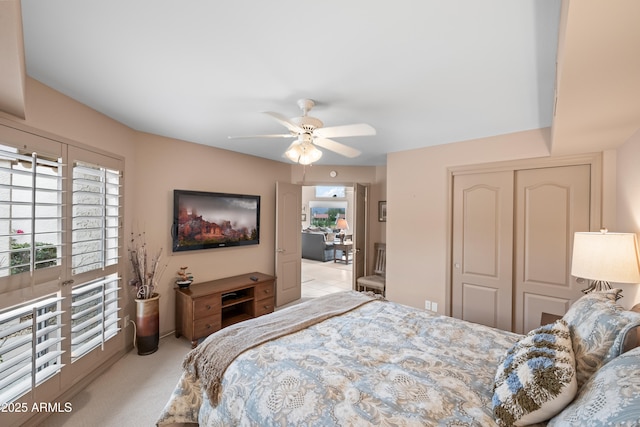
x=537, y=378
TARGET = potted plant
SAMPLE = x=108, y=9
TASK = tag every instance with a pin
x=184, y=278
x=146, y=273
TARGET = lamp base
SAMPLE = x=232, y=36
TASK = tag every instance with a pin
x=598, y=286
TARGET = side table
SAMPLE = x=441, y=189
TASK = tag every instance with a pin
x=345, y=247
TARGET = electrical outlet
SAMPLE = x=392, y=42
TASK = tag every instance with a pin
x=126, y=320
x=434, y=306
x=427, y=305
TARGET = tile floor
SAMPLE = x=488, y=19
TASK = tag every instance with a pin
x=322, y=278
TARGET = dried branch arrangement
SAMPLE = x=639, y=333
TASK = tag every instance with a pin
x=145, y=273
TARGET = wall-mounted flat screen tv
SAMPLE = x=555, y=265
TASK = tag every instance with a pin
x=204, y=220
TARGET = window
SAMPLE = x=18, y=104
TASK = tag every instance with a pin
x=30, y=346
x=326, y=213
x=330, y=191
x=60, y=264
x=30, y=212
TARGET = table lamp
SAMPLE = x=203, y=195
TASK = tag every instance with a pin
x=342, y=225
x=604, y=257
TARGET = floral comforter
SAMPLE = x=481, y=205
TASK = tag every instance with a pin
x=381, y=364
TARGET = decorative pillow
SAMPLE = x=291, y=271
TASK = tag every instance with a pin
x=537, y=378
x=611, y=397
x=598, y=329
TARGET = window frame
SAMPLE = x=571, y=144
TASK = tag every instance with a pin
x=25, y=287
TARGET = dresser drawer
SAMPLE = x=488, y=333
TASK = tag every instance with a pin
x=206, y=326
x=263, y=291
x=265, y=306
x=206, y=306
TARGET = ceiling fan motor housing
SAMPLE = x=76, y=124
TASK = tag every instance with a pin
x=307, y=123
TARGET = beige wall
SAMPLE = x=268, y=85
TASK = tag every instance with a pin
x=418, y=201
x=165, y=164
x=627, y=202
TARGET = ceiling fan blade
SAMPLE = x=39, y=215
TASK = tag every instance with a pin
x=337, y=147
x=360, y=129
x=285, y=122
x=283, y=135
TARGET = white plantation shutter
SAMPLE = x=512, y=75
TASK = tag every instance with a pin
x=30, y=212
x=95, y=229
x=94, y=315
x=95, y=217
x=30, y=338
x=60, y=265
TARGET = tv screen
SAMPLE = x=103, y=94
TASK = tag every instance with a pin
x=203, y=220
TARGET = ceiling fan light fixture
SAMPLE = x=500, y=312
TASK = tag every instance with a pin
x=293, y=153
x=304, y=153
x=310, y=155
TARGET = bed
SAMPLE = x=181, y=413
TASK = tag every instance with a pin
x=353, y=359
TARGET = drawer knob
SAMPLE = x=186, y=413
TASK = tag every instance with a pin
x=208, y=326
x=208, y=307
x=267, y=307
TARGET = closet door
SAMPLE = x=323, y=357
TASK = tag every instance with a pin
x=482, y=248
x=551, y=204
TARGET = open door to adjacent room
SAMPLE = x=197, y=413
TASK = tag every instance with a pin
x=288, y=246
x=360, y=240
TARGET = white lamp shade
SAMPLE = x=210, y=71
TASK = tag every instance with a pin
x=609, y=257
x=303, y=151
x=311, y=154
x=341, y=224
x=293, y=152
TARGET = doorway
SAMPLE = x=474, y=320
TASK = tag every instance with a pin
x=322, y=206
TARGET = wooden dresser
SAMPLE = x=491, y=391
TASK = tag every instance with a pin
x=205, y=308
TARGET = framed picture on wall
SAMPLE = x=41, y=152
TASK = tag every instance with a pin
x=382, y=211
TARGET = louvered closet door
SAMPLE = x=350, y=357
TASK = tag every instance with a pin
x=551, y=204
x=482, y=248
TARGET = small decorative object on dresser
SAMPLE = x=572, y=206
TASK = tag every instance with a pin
x=184, y=279
x=205, y=308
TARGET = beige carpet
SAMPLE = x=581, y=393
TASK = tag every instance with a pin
x=130, y=393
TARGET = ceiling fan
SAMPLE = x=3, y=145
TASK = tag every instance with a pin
x=309, y=133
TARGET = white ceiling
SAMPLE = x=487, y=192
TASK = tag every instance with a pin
x=422, y=72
